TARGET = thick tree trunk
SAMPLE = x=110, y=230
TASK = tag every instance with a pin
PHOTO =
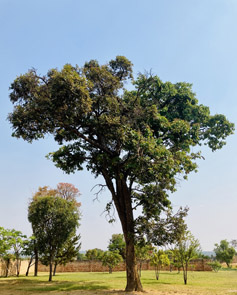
x=123, y=203
x=133, y=279
x=127, y=220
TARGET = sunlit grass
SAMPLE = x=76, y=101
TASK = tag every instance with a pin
x=199, y=283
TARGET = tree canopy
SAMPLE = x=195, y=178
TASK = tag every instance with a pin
x=224, y=252
x=139, y=140
x=117, y=243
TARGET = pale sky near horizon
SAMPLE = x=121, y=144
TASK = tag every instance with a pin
x=179, y=40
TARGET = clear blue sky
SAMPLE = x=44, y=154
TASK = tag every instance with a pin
x=193, y=41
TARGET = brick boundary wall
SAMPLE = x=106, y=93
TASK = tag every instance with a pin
x=12, y=268
x=96, y=266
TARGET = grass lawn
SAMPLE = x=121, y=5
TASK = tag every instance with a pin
x=199, y=283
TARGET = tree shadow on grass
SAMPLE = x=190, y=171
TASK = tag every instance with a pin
x=153, y=281
x=44, y=286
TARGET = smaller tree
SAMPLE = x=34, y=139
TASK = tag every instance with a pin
x=11, y=247
x=224, y=252
x=68, y=252
x=5, y=248
x=81, y=256
x=187, y=248
x=117, y=242
x=143, y=252
x=53, y=221
x=29, y=251
x=94, y=254
x=111, y=259
x=159, y=259
x=17, y=241
x=215, y=266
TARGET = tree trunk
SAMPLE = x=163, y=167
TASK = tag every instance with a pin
x=185, y=273
x=123, y=203
x=133, y=279
x=7, y=266
x=157, y=273
x=140, y=268
x=127, y=220
x=36, y=262
x=171, y=267
x=29, y=265
x=110, y=269
x=55, y=267
x=50, y=271
x=18, y=266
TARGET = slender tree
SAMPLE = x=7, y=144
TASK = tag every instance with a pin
x=29, y=251
x=143, y=253
x=68, y=252
x=111, y=259
x=138, y=140
x=17, y=241
x=187, y=248
x=159, y=259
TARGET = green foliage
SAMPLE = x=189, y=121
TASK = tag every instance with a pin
x=143, y=252
x=159, y=259
x=81, y=256
x=53, y=221
x=215, y=265
x=5, y=246
x=68, y=252
x=187, y=248
x=162, y=230
x=111, y=259
x=147, y=132
x=117, y=243
x=224, y=252
x=12, y=243
x=94, y=254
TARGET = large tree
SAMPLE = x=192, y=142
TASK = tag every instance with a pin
x=139, y=140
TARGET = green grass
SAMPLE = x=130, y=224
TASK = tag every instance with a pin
x=199, y=283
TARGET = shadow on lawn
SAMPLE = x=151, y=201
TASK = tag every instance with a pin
x=43, y=286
